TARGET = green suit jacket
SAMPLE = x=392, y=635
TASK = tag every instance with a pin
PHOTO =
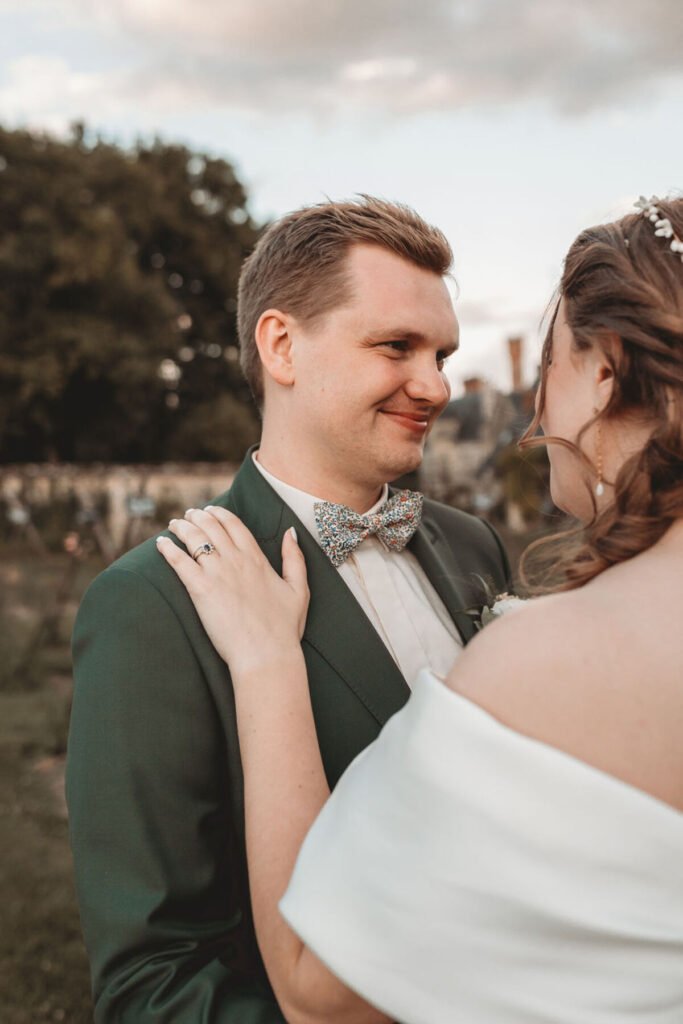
x=154, y=780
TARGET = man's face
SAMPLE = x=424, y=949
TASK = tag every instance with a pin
x=369, y=376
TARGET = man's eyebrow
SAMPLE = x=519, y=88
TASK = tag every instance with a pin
x=410, y=335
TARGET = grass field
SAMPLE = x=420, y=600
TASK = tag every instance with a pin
x=43, y=969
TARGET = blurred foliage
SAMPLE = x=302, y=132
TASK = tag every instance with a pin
x=524, y=473
x=118, y=280
x=39, y=594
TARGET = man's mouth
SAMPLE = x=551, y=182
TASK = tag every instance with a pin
x=416, y=422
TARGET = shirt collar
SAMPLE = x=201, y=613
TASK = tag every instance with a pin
x=303, y=504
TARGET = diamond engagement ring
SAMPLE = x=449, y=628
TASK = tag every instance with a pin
x=203, y=549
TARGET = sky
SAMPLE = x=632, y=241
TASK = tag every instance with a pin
x=511, y=124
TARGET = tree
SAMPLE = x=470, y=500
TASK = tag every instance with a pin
x=118, y=278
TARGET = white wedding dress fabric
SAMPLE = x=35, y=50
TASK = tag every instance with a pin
x=462, y=872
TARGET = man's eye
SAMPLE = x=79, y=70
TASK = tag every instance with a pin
x=397, y=346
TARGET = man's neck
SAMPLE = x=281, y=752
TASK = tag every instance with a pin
x=305, y=476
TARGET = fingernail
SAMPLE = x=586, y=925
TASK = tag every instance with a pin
x=171, y=522
x=188, y=510
x=293, y=533
x=159, y=539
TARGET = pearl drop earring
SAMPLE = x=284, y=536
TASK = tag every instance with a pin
x=599, y=487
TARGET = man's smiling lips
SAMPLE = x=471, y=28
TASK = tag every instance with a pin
x=417, y=422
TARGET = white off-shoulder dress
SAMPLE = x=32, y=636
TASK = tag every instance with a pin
x=462, y=872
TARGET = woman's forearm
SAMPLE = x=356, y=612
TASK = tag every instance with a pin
x=285, y=789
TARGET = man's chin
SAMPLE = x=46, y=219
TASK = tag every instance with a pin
x=407, y=462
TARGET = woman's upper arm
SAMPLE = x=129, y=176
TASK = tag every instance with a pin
x=313, y=993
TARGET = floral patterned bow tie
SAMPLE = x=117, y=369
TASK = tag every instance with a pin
x=341, y=529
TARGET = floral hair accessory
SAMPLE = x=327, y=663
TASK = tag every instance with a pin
x=662, y=225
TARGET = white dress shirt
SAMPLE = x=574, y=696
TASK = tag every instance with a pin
x=392, y=589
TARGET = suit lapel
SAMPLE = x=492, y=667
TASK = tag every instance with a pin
x=337, y=627
x=434, y=555
x=340, y=631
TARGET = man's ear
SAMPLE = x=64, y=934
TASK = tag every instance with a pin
x=274, y=342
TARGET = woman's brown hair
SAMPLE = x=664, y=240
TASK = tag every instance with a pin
x=622, y=287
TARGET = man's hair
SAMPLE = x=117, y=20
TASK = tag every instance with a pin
x=299, y=264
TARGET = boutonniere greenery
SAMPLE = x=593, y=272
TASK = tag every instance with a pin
x=500, y=606
x=494, y=606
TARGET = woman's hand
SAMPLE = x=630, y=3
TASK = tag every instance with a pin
x=255, y=620
x=253, y=616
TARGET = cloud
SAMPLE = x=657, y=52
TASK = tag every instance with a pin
x=46, y=93
x=398, y=56
x=495, y=312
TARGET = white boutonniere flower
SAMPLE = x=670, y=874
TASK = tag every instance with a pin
x=501, y=605
x=493, y=606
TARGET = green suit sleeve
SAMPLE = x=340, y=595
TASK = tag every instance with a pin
x=162, y=893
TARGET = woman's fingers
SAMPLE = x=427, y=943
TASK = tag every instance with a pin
x=294, y=573
x=191, y=535
x=188, y=571
x=211, y=526
x=293, y=563
x=221, y=528
x=239, y=534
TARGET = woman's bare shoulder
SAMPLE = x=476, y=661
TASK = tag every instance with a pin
x=588, y=672
x=529, y=654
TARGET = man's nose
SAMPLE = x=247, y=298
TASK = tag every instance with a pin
x=428, y=383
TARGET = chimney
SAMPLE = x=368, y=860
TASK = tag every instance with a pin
x=515, y=351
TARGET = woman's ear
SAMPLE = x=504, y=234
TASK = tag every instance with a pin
x=606, y=357
x=604, y=383
x=274, y=342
